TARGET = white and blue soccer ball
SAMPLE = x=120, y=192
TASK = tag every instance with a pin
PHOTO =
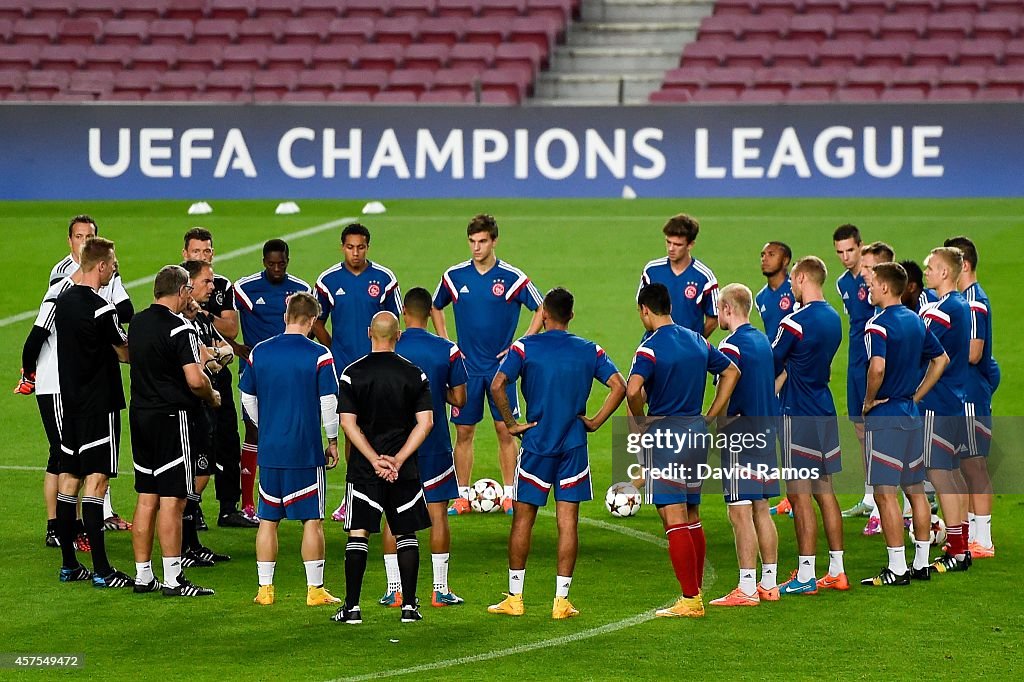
x=486, y=495
x=622, y=500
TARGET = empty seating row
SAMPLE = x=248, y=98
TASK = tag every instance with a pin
x=819, y=95
x=790, y=7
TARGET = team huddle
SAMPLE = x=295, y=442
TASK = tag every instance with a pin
x=919, y=391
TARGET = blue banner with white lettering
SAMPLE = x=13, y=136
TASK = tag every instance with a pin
x=297, y=152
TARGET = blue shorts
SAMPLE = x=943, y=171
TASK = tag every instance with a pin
x=751, y=473
x=944, y=438
x=478, y=386
x=895, y=456
x=297, y=494
x=677, y=480
x=856, y=384
x=568, y=473
x=812, y=444
x=979, y=430
x=437, y=473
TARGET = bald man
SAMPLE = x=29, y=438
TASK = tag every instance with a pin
x=386, y=412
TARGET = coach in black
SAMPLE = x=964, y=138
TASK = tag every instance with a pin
x=167, y=379
x=90, y=343
x=386, y=411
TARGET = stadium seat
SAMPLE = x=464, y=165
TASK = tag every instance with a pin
x=98, y=84
x=761, y=96
x=752, y=53
x=68, y=96
x=937, y=52
x=721, y=27
x=144, y=9
x=972, y=77
x=397, y=30
x=715, y=96
x=513, y=82
x=235, y=10
x=952, y=25
x=848, y=52
x=727, y=80
x=410, y=80
x=707, y=53
x=1013, y=55
x=828, y=77
x=862, y=26
x=793, y=53
x=886, y=52
x=856, y=94
x=127, y=31
x=734, y=7
x=461, y=81
x=135, y=82
x=368, y=9
x=350, y=97
x=199, y=57
x=765, y=27
x=193, y=10
x=290, y=57
x=780, y=7
x=325, y=10
x=355, y=30
x=180, y=83
x=556, y=9
x=62, y=57
x=261, y=31
x=686, y=78
x=471, y=56
x=458, y=8
x=169, y=31
x=395, y=97
x=50, y=9
x=489, y=30
x=816, y=27
x=11, y=80
x=502, y=8
x=669, y=97
x=541, y=31
x=244, y=57
x=107, y=57
x=339, y=56
x=88, y=31
x=997, y=93
x=277, y=9
x=872, y=6
x=230, y=81
x=6, y=29
x=320, y=80
x=833, y=7
x=521, y=55
x=1007, y=78
x=417, y=9
x=982, y=52
x=380, y=56
x=101, y=9
x=369, y=81
x=446, y=30
x=806, y=95
x=304, y=31
x=158, y=57
x=425, y=56
x=778, y=79
x=903, y=26
x=215, y=31
x=301, y=96
x=874, y=78
x=35, y=31
x=1003, y=25
x=494, y=97
x=902, y=95
x=951, y=94
x=442, y=97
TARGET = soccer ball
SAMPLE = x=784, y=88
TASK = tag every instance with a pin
x=937, y=533
x=486, y=495
x=622, y=500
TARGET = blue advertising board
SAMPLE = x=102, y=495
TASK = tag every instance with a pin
x=317, y=151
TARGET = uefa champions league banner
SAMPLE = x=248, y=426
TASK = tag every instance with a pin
x=282, y=151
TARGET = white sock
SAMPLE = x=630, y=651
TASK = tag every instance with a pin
x=769, y=576
x=440, y=563
x=144, y=572
x=464, y=492
x=265, y=571
x=314, y=572
x=805, y=568
x=897, y=559
x=972, y=527
x=509, y=491
x=984, y=530
x=921, y=548
x=869, y=497
x=172, y=570
x=748, y=581
x=562, y=583
x=835, y=563
x=516, y=579
x=391, y=568
x=108, y=509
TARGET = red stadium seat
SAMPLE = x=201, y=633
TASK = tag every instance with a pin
x=492, y=31
x=874, y=78
x=857, y=94
x=193, y=10
x=495, y=97
x=127, y=31
x=998, y=94
x=338, y=56
x=325, y=10
x=442, y=97
x=953, y=25
x=951, y=94
x=215, y=31
x=556, y=9
x=247, y=57
x=502, y=8
x=35, y=31
x=350, y=97
x=816, y=27
x=278, y=9
x=514, y=82
x=669, y=97
x=715, y=96
x=981, y=52
x=806, y=95
x=397, y=30
x=780, y=7
x=780, y=79
x=688, y=79
x=180, y=83
x=170, y=31
x=230, y=9
x=518, y=55
x=290, y=57
x=410, y=80
x=794, y=53
x=321, y=80
x=938, y=52
x=98, y=84
x=101, y=9
x=1013, y=55
x=446, y=30
x=902, y=94
x=1006, y=78
x=728, y=80
x=354, y=30
x=199, y=57
x=301, y=96
x=886, y=52
x=734, y=7
x=62, y=57
x=143, y=9
x=973, y=77
x=261, y=31
x=369, y=81
x=461, y=81
x=849, y=52
x=11, y=80
x=862, y=26
x=73, y=97
x=540, y=31
x=705, y=53
x=472, y=56
x=872, y=6
x=107, y=57
x=458, y=8
x=229, y=81
x=6, y=29
x=765, y=27
x=137, y=81
x=833, y=7
x=762, y=96
x=828, y=77
x=395, y=97
x=380, y=56
x=304, y=32
x=50, y=9
x=158, y=57
x=425, y=56
x=418, y=9
x=1003, y=25
x=370, y=9
x=88, y=31
x=720, y=27
x=903, y=26
x=752, y=53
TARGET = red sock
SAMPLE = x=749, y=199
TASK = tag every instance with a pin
x=680, y=551
x=965, y=534
x=955, y=537
x=700, y=548
x=248, y=474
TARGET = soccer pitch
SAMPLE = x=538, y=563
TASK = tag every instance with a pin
x=955, y=626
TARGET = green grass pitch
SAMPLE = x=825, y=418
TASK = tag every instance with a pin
x=955, y=627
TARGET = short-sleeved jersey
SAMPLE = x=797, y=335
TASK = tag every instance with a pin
x=486, y=309
x=261, y=305
x=979, y=386
x=47, y=377
x=222, y=299
x=804, y=346
x=161, y=345
x=694, y=291
x=925, y=297
x=899, y=337
x=288, y=374
x=385, y=392
x=442, y=362
x=775, y=304
x=751, y=352
x=558, y=370
x=949, y=319
x=87, y=330
x=674, y=362
x=854, y=292
x=114, y=292
x=351, y=301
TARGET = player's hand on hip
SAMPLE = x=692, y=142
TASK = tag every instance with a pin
x=588, y=423
x=872, y=404
x=518, y=429
x=502, y=354
x=215, y=400
x=26, y=384
x=331, y=453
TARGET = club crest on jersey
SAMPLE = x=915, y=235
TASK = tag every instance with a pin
x=498, y=288
x=219, y=297
x=690, y=291
x=862, y=293
x=785, y=303
x=373, y=290
x=202, y=462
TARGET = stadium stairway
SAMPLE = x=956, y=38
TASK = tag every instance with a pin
x=620, y=51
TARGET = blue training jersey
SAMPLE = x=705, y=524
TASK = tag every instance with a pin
x=804, y=346
x=558, y=370
x=674, y=362
x=949, y=320
x=694, y=291
x=288, y=374
x=775, y=304
x=751, y=352
x=442, y=362
x=486, y=309
x=899, y=337
x=261, y=305
x=854, y=293
x=981, y=376
x=351, y=301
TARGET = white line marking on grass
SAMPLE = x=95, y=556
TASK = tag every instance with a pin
x=230, y=255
